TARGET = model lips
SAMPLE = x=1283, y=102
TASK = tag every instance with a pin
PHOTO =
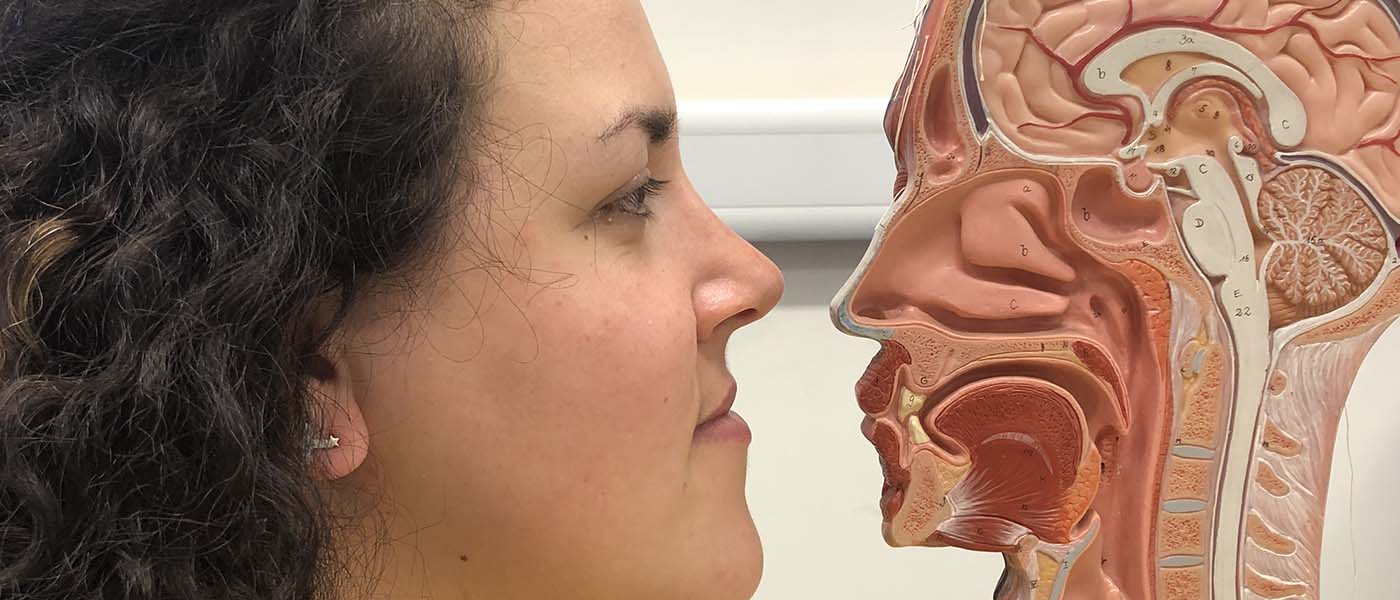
x=867, y=428
x=891, y=494
x=887, y=446
x=875, y=390
x=891, y=500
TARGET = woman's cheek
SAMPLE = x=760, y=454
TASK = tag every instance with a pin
x=619, y=383
x=642, y=336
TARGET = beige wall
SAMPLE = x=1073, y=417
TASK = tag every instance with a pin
x=783, y=48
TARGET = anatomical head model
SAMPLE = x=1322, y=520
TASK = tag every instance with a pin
x=1137, y=253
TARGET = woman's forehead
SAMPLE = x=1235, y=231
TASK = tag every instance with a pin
x=574, y=65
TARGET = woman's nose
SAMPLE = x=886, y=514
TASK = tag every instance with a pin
x=741, y=286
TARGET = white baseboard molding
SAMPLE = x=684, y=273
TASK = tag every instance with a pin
x=791, y=169
x=803, y=224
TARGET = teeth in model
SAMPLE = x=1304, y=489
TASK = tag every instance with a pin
x=911, y=405
x=910, y=402
x=917, y=433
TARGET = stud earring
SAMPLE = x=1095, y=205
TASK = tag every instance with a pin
x=325, y=443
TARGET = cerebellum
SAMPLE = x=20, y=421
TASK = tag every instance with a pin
x=1328, y=247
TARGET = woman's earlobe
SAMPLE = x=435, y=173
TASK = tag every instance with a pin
x=338, y=441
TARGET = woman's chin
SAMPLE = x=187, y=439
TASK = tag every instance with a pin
x=732, y=552
x=738, y=575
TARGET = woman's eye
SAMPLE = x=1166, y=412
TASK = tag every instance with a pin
x=636, y=203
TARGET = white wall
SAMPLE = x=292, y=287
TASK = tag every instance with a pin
x=814, y=482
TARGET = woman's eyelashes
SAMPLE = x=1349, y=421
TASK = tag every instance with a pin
x=635, y=203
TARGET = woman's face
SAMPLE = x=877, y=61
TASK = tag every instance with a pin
x=539, y=425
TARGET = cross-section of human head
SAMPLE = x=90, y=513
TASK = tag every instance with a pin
x=1136, y=254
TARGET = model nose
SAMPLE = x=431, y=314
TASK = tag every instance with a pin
x=979, y=259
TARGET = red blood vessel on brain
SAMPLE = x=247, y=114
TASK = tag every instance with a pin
x=1137, y=251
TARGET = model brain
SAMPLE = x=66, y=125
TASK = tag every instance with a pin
x=1338, y=57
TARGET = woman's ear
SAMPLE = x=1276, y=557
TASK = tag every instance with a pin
x=335, y=410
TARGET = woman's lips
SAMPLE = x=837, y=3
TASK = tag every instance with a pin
x=728, y=427
x=725, y=424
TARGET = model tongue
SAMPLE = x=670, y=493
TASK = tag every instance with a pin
x=1030, y=471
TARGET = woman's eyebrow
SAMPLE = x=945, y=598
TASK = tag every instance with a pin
x=658, y=123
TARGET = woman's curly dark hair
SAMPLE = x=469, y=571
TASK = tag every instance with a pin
x=180, y=182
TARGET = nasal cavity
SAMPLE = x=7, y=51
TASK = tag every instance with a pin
x=879, y=302
x=903, y=281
